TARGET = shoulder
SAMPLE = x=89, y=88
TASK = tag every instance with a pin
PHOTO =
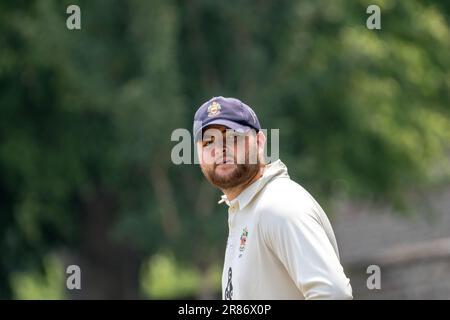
x=284, y=201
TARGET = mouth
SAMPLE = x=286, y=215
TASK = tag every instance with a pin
x=224, y=160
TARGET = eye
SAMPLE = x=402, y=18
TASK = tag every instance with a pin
x=234, y=136
x=208, y=142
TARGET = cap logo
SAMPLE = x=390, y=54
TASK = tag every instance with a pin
x=214, y=109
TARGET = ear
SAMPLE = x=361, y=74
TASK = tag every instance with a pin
x=261, y=140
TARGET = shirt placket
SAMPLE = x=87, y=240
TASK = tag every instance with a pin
x=232, y=213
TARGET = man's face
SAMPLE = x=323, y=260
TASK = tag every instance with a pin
x=228, y=159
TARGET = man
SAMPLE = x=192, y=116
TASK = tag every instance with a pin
x=281, y=244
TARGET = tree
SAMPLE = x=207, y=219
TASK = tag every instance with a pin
x=87, y=117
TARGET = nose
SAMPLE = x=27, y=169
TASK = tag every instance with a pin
x=224, y=149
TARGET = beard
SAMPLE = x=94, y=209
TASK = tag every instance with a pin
x=237, y=176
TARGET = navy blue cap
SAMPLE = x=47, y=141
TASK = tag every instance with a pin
x=229, y=112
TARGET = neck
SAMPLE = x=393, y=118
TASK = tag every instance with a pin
x=232, y=193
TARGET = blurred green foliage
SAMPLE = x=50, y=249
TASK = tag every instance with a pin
x=86, y=118
x=164, y=278
x=48, y=285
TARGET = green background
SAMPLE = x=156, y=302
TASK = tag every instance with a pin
x=86, y=118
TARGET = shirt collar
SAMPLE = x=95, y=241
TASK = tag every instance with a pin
x=243, y=198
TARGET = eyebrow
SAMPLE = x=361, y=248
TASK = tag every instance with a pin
x=221, y=130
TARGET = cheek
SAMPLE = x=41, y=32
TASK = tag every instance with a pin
x=241, y=148
x=246, y=152
x=208, y=156
x=207, y=168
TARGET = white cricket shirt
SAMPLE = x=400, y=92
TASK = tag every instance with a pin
x=281, y=244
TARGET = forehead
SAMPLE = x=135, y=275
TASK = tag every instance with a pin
x=213, y=129
x=219, y=127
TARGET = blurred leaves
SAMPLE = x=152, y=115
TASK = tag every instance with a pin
x=164, y=278
x=49, y=285
x=87, y=116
